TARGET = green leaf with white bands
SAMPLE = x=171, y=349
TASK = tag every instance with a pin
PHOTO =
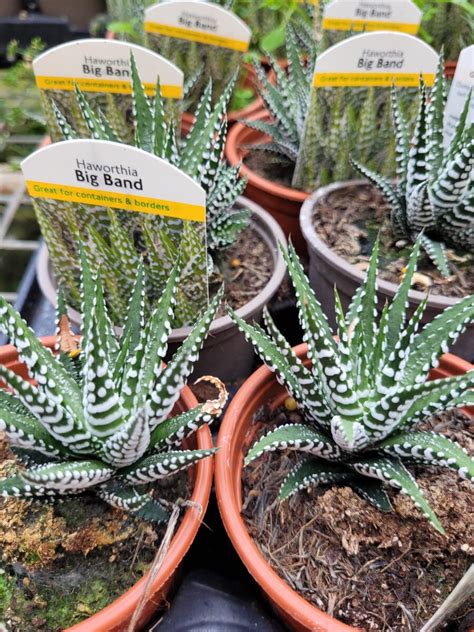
x=157, y=466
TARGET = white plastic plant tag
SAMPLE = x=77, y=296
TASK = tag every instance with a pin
x=102, y=70
x=99, y=65
x=380, y=58
x=198, y=21
x=372, y=15
x=124, y=205
x=462, y=84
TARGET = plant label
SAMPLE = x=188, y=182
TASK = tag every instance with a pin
x=372, y=15
x=99, y=65
x=462, y=84
x=380, y=58
x=198, y=21
x=116, y=198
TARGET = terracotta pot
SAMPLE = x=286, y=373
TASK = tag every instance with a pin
x=225, y=341
x=450, y=69
x=250, y=80
x=78, y=13
x=116, y=616
x=260, y=389
x=282, y=202
x=327, y=268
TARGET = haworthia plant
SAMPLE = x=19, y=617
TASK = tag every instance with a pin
x=448, y=25
x=117, y=241
x=365, y=392
x=314, y=131
x=434, y=191
x=97, y=419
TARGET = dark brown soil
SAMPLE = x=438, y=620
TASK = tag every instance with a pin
x=264, y=165
x=348, y=222
x=62, y=562
x=383, y=572
x=246, y=269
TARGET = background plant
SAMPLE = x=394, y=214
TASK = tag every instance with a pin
x=313, y=131
x=97, y=419
x=120, y=240
x=447, y=24
x=365, y=393
x=434, y=191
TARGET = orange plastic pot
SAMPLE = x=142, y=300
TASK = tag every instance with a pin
x=235, y=436
x=282, y=202
x=116, y=616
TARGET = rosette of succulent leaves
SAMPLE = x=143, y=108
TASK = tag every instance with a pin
x=98, y=417
x=434, y=189
x=364, y=393
x=314, y=131
x=119, y=242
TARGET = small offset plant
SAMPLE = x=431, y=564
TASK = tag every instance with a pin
x=110, y=238
x=97, y=419
x=434, y=191
x=365, y=392
x=314, y=131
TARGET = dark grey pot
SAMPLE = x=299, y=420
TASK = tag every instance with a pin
x=327, y=269
x=225, y=354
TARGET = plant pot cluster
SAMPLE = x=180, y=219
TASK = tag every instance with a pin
x=350, y=407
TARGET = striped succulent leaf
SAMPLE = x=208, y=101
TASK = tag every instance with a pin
x=434, y=192
x=363, y=394
x=98, y=418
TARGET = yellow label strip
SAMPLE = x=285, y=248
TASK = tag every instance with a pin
x=126, y=201
x=358, y=79
x=196, y=36
x=341, y=24
x=115, y=86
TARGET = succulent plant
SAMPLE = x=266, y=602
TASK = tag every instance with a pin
x=97, y=418
x=111, y=239
x=314, y=131
x=448, y=25
x=365, y=392
x=434, y=191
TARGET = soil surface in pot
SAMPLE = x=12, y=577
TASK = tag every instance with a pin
x=378, y=571
x=245, y=269
x=348, y=221
x=266, y=166
x=61, y=563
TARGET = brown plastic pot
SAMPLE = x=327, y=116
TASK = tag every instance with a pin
x=225, y=353
x=235, y=436
x=10, y=8
x=327, y=269
x=450, y=69
x=78, y=13
x=116, y=616
x=282, y=202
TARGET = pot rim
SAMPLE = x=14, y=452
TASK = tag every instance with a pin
x=236, y=421
x=386, y=288
x=261, y=218
x=122, y=608
x=235, y=156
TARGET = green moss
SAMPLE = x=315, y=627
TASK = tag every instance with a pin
x=7, y=585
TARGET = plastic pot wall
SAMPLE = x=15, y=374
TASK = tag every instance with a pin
x=78, y=13
x=235, y=436
x=327, y=269
x=282, y=202
x=116, y=616
x=225, y=354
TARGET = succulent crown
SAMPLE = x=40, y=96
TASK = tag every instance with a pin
x=97, y=417
x=434, y=192
x=365, y=392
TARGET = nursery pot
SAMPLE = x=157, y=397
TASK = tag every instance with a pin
x=78, y=13
x=116, y=616
x=262, y=389
x=10, y=8
x=327, y=269
x=225, y=353
x=282, y=202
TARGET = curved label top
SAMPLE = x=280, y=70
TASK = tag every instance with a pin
x=376, y=59
x=198, y=21
x=99, y=65
x=372, y=15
